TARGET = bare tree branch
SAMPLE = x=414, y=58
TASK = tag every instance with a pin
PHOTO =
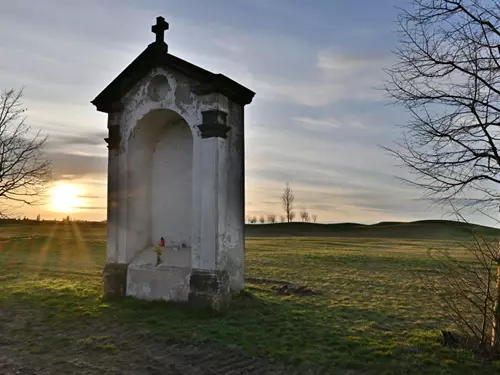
x=447, y=74
x=24, y=169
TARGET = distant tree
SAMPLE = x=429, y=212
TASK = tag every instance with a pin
x=253, y=219
x=38, y=218
x=24, y=169
x=282, y=218
x=292, y=216
x=314, y=217
x=271, y=218
x=262, y=219
x=287, y=199
x=304, y=215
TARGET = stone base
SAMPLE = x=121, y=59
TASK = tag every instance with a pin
x=209, y=290
x=168, y=281
x=161, y=282
x=115, y=280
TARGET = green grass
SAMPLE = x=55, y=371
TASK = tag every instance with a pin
x=372, y=315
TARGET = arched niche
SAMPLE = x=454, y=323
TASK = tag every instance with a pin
x=159, y=176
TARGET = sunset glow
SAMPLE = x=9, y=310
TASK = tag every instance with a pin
x=66, y=198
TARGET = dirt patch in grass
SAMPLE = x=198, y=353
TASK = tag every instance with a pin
x=285, y=288
x=296, y=290
x=33, y=347
x=9, y=366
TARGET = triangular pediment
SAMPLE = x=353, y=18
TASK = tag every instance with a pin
x=156, y=56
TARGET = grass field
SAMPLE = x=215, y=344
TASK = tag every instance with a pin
x=371, y=315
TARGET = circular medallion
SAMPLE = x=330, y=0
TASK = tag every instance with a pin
x=158, y=88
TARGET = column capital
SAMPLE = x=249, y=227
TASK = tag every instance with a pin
x=113, y=140
x=214, y=124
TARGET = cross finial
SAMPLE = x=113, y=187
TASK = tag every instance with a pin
x=159, y=29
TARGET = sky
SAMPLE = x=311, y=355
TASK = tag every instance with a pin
x=318, y=120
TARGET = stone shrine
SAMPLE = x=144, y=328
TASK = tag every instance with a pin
x=175, y=180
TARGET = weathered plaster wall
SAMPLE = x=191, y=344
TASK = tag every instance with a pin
x=138, y=195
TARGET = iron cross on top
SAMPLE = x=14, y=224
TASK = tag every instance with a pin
x=159, y=29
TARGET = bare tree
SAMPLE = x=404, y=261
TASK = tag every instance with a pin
x=315, y=218
x=282, y=218
x=24, y=169
x=287, y=199
x=262, y=219
x=447, y=75
x=253, y=220
x=304, y=215
x=271, y=218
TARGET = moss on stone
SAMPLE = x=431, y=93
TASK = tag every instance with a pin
x=209, y=290
x=115, y=280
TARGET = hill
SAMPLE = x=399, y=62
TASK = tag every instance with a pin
x=428, y=229
x=423, y=229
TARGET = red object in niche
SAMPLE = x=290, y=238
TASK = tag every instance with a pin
x=162, y=242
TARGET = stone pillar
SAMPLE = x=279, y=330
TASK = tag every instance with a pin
x=209, y=283
x=115, y=274
x=235, y=218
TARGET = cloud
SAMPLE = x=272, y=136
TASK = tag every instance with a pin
x=328, y=123
x=313, y=123
x=336, y=76
x=287, y=68
x=90, y=208
x=86, y=139
x=341, y=63
x=72, y=166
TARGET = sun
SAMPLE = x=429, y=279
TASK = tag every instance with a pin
x=65, y=197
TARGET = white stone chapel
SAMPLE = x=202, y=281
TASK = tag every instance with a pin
x=175, y=217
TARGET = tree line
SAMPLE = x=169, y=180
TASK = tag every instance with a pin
x=287, y=203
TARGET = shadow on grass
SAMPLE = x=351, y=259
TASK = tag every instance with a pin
x=286, y=329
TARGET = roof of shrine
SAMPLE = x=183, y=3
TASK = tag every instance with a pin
x=156, y=55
